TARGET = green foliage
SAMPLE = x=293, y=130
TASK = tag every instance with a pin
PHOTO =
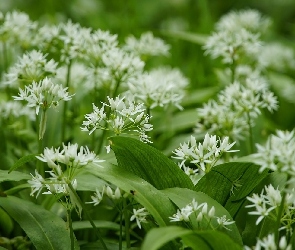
x=41, y=226
x=14, y=176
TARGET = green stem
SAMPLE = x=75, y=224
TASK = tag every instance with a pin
x=233, y=71
x=65, y=107
x=251, y=148
x=127, y=224
x=97, y=232
x=278, y=222
x=39, y=166
x=101, y=140
x=69, y=219
x=121, y=230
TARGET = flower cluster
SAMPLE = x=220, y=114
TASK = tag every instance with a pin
x=32, y=66
x=139, y=215
x=278, y=153
x=267, y=205
x=204, y=214
x=237, y=103
x=65, y=164
x=98, y=195
x=15, y=109
x=269, y=242
x=237, y=36
x=43, y=94
x=203, y=155
x=147, y=45
x=123, y=116
x=159, y=87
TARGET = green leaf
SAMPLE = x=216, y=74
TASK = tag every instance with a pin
x=44, y=228
x=187, y=36
x=181, y=197
x=157, y=203
x=78, y=225
x=15, y=176
x=148, y=163
x=197, y=240
x=230, y=183
x=22, y=161
x=88, y=182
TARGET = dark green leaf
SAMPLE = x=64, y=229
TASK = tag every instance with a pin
x=44, y=228
x=78, y=225
x=148, y=163
x=22, y=161
x=187, y=36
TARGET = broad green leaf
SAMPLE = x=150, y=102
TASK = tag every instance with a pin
x=199, y=96
x=230, y=183
x=78, y=225
x=197, y=240
x=22, y=161
x=148, y=163
x=157, y=203
x=88, y=182
x=14, y=176
x=6, y=223
x=181, y=197
x=44, y=228
x=187, y=36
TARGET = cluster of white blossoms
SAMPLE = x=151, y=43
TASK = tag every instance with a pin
x=17, y=28
x=269, y=243
x=98, y=195
x=65, y=164
x=237, y=36
x=278, y=153
x=119, y=115
x=237, y=103
x=147, y=45
x=204, y=214
x=15, y=109
x=159, y=88
x=43, y=94
x=32, y=66
x=267, y=204
x=203, y=155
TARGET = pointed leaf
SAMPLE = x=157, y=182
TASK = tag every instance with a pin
x=14, y=176
x=45, y=229
x=22, y=161
x=78, y=225
x=148, y=163
x=187, y=36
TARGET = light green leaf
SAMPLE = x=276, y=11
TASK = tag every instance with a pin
x=14, y=176
x=44, y=228
x=22, y=161
x=197, y=240
x=88, y=182
x=157, y=203
x=148, y=163
x=181, y=197
x=187, y=36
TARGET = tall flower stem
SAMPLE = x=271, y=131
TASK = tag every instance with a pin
x=70, y=224
x=121, y=230
x=127, y=224
x=97, y=232
x=251, y=149
x=65, y=107
x=40, y=166
x=233, y=71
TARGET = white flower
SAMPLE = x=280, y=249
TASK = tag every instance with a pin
x=147, y=45
x=15, y=109
x=37, y=183
x=224, y=222
x=113, y=195
x=139, y=215
x=97, y=197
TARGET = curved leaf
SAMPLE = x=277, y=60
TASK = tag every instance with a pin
x=148, y=163
x=78, y=225
x=156, y=202
x=187, y=36
x=181, y=197
x=22, y=161
x=44, y=228
x=14, y=176
x=197, y=240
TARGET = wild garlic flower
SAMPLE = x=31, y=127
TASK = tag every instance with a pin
x=65, y=164
x=139, y=215
x=278, y=153
x=32, y=66
x=249, y=19
x=15, y=109
x=237, y=103
x=203, y=155
x=277, y=57
x=159, y=88
x=203, y=213
x=147, y=45
x=97, y=197
x=267, y=204
x=43, y=94
x=17, y=28
x=119, y=115
x=269, y=242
